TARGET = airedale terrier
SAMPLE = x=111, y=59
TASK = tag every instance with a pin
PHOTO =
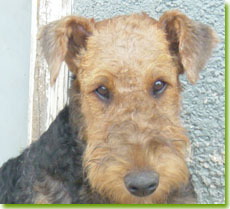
x=120, y=140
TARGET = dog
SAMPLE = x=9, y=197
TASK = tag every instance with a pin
x=120, y=139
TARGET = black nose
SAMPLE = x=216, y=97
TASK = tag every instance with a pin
x=141, y=183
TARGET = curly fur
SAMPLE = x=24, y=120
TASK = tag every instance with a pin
x=50, y=170
x=41, y=166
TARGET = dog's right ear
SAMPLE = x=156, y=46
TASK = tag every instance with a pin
x=62, y=37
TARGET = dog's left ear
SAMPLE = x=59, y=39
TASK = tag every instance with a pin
x=61, y=40
x=189, y=41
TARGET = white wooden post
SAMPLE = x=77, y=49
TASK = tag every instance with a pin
x=45, y=101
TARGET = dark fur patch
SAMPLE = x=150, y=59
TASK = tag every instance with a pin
x=55, y=159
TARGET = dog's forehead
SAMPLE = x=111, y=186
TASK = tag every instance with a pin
x=128, y=38
x=127, y=45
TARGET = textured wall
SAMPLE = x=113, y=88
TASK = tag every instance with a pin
x=203, y=104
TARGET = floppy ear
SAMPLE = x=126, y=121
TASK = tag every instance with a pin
x=64, y=38
x=189, y=41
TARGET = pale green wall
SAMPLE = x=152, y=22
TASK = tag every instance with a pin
x=15, y=20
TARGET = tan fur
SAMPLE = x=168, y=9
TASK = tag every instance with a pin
x=134, y=131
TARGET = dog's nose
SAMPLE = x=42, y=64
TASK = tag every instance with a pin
x=141, y=183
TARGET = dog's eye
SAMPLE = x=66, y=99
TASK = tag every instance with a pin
x=103, y=93
x=158, y=88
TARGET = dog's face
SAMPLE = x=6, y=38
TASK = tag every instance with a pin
x=120, y=74
x=127, y=71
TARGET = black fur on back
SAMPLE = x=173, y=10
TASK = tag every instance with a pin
x=56, y=158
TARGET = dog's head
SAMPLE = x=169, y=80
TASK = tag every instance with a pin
x=127, y=86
